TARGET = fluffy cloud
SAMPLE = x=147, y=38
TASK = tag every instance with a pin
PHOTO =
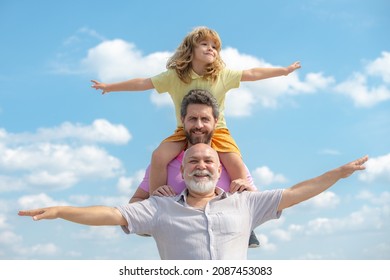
x=264, y=176
x=266, y=93
x=326, y=199
x=359, y=88
x=380, y=67
x=117, y=59
x=36, y=201
x=100, y=131
x=128, y=185
x=377, y=169
x=59, y=157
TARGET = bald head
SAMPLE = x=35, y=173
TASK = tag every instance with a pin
x=200, y=149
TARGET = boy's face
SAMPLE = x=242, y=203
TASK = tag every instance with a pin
x=205, y=52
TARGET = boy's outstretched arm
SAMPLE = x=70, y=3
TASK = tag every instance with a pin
x=92, y=215
x=138, y=84
x=312, y=187
x=258, y=73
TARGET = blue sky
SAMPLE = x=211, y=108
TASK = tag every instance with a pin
x=61, y=142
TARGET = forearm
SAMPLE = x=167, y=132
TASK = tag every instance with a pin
x=312, y=187
x=255, y=74
x=93, y=215
x=138, y=84
x=309, y=188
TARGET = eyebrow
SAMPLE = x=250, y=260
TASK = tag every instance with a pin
x=198, y=157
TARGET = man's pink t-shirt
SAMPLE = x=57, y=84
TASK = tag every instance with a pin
x=175, y=180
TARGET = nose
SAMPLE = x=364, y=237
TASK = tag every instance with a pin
x=201, y=165
x=198, y=123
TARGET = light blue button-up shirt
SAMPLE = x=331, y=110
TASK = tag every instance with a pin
x=220, y=231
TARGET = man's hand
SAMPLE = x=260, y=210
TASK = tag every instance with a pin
x=164, y=191
x=40, y=214
x=348, y=169
x=240, y=185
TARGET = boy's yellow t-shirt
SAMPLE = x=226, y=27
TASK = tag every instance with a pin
x=168, y=81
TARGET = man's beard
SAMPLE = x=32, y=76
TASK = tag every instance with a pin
x=201, y=186
x=196, y=139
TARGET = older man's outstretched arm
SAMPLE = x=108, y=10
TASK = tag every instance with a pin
x=92, y=215
x=312, y=187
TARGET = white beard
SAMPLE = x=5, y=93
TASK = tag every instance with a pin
x=202, y=186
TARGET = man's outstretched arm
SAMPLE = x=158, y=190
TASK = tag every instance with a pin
x=312, y=187
x=92, y=215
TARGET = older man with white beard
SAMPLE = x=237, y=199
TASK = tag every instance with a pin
x=203, y=222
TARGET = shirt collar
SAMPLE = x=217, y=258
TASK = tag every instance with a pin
x=220, y=194
x=195, y=76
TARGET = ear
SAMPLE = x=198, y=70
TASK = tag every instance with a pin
x=219, y=170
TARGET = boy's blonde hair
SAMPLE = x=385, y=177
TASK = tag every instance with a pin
x=182, y=58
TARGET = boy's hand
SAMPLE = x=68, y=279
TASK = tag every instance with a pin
x=98, y=85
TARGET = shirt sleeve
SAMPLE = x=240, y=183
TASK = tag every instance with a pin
x=264, y=205
x=139, y=216
x=163, y=81
x=231, y=78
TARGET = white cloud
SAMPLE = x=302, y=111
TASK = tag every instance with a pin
x=266, y=245
x=362, y=95
x=98, y=233
x=287, y=235
x=3, y=221
x=13, y=183
x=268, y=92
x=128, y=185
x=367, y=218
x=240, y=104
x=9, y=238
x=161, y=100
x=100, y=131
x=361, y=90
x=382, y=199
x=37, y=201
x=37, y=160
x=377, y=169
x=117, y=60
x=264, y=176
x=380, y=67
x=326, y=199
x=59, y=166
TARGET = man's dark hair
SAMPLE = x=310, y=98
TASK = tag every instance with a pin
x=199, y=96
